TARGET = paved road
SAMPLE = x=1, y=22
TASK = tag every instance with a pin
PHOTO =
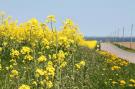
x=118, y=52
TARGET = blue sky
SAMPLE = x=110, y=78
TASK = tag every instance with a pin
x=94, y=17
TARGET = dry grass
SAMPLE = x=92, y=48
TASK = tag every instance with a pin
x=127, y=44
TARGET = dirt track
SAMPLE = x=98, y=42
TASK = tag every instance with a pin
x=118, y=52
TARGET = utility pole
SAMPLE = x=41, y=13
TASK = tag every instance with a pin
x=123, y=34
x=118, y=33
x=115, y=36
x=131, y=39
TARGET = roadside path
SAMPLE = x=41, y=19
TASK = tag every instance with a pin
x=129, y=56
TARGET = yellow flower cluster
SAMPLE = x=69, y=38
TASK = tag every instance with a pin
x=115, y=68
x=132, y=82
x=49, y=84
x=23, y=86
x=114, y=82
x=80, y=64
x=50, y=70
x=112, y=59
x=37, y=53
x=47, y=73
x=42, y=58
x=28, y=57
x=51, y=18
x=122, y=82
x=25, y=50
x=39, y=72
x=61, y=56
x=14, y=53
x=14, y=73
x=0, y=49
x=63, y=64
x=90, y=44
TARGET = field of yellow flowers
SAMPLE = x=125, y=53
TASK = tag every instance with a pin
x=35, y=55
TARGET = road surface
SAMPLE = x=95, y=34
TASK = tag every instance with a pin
x=129, y=56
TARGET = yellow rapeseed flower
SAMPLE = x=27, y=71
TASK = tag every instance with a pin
x=0, y=49
x=39, y=72
x=82, y=63
x=14, y=73
x=4, y=43
x=49, y=84
x=42, y=83
x=28, y=57
x=14, y=53
x=54, y=56
x=131, y=85
x=69, y=22
x=33, y=22
x=122, y=82
x=115, y=68
x=61, y=56
x=0, y=67
x=90, y=44
x=114, y=82
x=50, y=70
x=34, y=83
x=132, y=80
x=25, y=50
x=51, y=18
x=23, y=86
x=50, y=63
x=63, y=64
x=42, y=58
x=79, y=65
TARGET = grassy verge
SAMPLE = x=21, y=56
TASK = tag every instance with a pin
x=124, y=48
x=101, y=71
x=106, y=71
